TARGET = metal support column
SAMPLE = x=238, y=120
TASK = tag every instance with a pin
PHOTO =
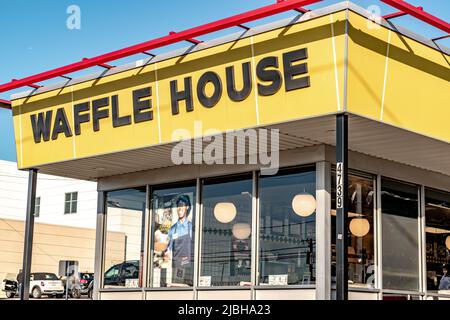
x=99, y=244
x=29, y=232
x=341, y=206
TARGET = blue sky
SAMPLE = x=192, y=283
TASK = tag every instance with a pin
x=34, y=36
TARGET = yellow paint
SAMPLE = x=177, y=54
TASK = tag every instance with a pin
x=320, y=98
x=416, y=91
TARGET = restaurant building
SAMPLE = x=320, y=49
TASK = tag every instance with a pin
x=336, y=186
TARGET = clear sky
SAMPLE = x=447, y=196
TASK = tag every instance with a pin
x=34, y=36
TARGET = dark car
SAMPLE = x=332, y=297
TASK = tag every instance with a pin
x=10, y=285
x=119, y=275
x=85, y=280
x=79, y=284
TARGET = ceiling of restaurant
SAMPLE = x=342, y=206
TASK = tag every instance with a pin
x=365, y=136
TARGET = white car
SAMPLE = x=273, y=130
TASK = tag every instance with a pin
x=45, y=284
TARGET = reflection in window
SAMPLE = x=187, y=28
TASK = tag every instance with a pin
x=37, y=207
x=125, y=238
x=361, y=253
x=287, y=228
x=399, y=203
x=173, y=237
x=437, y=228
x=226, y=233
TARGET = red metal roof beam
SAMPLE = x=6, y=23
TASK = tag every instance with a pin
x=31, y=85
x=191, y=40
x=299, y=9
x=398, y=14
x=163, y=41
x=5, y=104
x=419, y=14
x=103, y=65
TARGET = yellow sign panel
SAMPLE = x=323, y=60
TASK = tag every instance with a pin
x=281, y=75
x=397, y=80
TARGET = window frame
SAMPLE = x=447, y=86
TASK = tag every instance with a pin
x=377, y=245
x=423, y=198
x=149, y=248
x=421, y=291
x=284, y=171
x=73, y=203
x=103, y=235
x=217, y=180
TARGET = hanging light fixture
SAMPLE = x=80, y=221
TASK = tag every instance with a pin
x=241, y=231
x=359, y=227
x=447, y=242
x=304, y=204
x=225, y=212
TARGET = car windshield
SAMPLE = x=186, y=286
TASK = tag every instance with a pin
x=45, y=276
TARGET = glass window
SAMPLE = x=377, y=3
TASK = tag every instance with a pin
x=124, y=238
x=226, y=232
x=173, y=236
x=361, y=252
x=70, y=204
x=437, y=228
x=400, y=209
x=37, y=207
x=287, y=237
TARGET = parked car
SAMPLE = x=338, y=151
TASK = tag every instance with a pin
x=86, y=279
x=125, y=274
x=41, y=284
x=79, y=284
x=45, y=284
x=10, y=285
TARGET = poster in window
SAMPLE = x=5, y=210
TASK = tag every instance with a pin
x=173, y=240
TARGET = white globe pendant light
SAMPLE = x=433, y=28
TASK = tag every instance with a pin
x=304, y=204
x=241, y=231
x=447, y=242
x=225, y=212
x=359, y=227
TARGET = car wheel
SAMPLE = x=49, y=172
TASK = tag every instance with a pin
x=76, y=293
x=36, y=293
x=90, y=294
x=10, y=294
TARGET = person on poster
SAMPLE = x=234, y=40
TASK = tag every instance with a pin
x=444, y=284
x=180, y=236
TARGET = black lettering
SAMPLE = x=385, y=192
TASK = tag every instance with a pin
x=233, y=94
x=209, y=77
x=80, y=118
x=41, y=126
x=177, y=96
x=140, y=105
x=273, y=76
x=98, y=113
x=291, y=71
x=117, y=120
x=61, y=125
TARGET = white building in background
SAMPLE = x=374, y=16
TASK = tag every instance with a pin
x=59, y=201
x=65, y=223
